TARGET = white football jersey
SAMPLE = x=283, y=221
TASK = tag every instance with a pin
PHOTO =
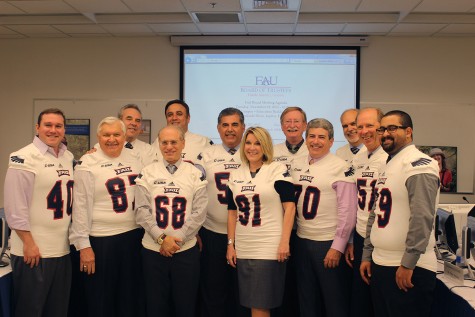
x=366, y=175
x=344, y=152
x=282, y=154
x=143, y=150
x=172, y=198
x=194, y=145
x=317, y=213
x=260, y=213
x=114, y=191
x=389, y=230
x=218, y=164
x=51, y=204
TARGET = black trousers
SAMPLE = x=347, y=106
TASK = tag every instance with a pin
x=116, y=287
x=389, y=300
x=171, y=283
x=42, y=290
x=219, y=294
x=361, y=303
x=320, y=289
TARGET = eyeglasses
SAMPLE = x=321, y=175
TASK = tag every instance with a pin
x=390, y=128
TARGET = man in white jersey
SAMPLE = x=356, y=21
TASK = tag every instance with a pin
x=218, y=287
x=366, y=164
x=354, y=145
x=293, y=122
x=171, y=206
x=398, y=256
x=38, y=206
x=326, y=204
x=104, y=228
x=177, y=113
x=131, y=115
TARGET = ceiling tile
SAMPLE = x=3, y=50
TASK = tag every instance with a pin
x=329, y=5
x=362, y=28
x=445, y=6
x=155, y=6
x=12, y=36
x=4, y=30
x=387, y=5
x=270, y=28
x=319, y=28
x=174, y=28
x=270, y=17
x=347, y=17
x=206, y=5
x=459, y=28
x=419, y=28
x=99, y=6
x=6, y=8
x=81, y=29
x=127, y=28
x=215, y=28
x=144, y=18
x=43, y=7
x=45, y=19
x=34, y=29
x=80, y=35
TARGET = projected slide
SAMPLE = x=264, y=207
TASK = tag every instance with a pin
x=263, y=85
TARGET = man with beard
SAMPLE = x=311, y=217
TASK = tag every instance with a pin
x=398, y=256
x=348, y=123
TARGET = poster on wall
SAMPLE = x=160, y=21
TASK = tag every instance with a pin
x=77, y=136
x=145, y=135
x=446, y=157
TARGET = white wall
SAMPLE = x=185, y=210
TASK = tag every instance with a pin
x=393, y=69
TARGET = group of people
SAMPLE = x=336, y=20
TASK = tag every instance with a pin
x=184, y=227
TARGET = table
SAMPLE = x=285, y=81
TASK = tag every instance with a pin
x=450, y=300
x=5, y=291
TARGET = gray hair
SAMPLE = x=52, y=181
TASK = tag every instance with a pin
x=229, y=112
x=128, y=106
x=110, y=120
x=320, y=123
x=173, y=127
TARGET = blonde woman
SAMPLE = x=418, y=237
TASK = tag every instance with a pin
x=260, y=218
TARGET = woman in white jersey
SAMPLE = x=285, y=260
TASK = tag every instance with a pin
x=261, y=213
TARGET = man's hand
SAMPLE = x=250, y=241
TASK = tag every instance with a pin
x=332, y=259
x=169, y=246
x=403, y=278
x=365, y=271
x=31, y=253
x=87, y=261
x=349, y=254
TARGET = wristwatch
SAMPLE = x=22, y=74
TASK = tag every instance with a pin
x=161, y=238
x=230, y=241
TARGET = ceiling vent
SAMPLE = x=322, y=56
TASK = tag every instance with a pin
x=270, y=4
x=217, y=17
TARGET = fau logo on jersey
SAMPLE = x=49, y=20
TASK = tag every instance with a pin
x=63, y=172
x=171, y=190
x=248, y=188
x=17, y=159
x=123, y=170
x=306, y=178
x=367, y=174
x=231, y=166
